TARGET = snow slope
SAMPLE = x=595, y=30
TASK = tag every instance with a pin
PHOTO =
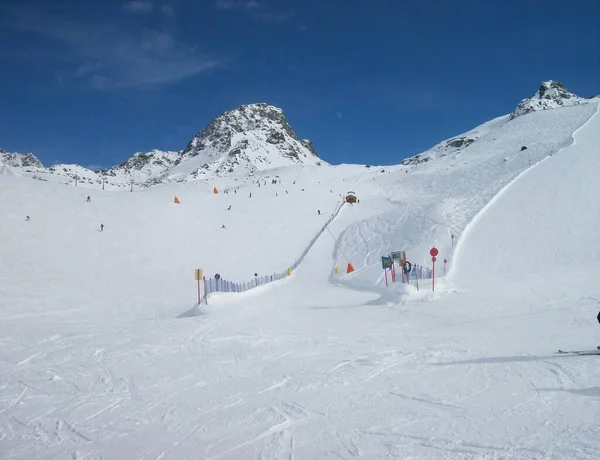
x=437, y=199
x=96, y=363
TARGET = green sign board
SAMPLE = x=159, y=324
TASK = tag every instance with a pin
x=396, y=255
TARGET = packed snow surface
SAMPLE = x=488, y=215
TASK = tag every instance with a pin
x=99, y=359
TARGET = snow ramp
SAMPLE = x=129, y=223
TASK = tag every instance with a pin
x=543, y=228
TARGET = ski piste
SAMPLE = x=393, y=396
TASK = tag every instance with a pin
x=580, y=352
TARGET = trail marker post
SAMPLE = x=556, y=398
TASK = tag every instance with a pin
x=386, y=262
x=445, y=262
x=396, y=256
x=433, y=252
x=198, y=277
x=417, y=275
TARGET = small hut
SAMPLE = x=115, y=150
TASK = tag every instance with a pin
x=351, y=197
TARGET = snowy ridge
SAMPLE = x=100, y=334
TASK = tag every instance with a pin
x=144, y=166
x=20, y=160
x=237, y=144
x=455, y=145
x=550, y=95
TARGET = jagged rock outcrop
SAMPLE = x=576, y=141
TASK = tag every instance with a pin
x=550, y=95
x=20, y=160
x=241, y=141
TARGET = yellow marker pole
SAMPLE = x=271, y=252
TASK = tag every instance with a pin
x=198, y=277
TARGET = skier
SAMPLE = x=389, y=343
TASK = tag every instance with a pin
x=27, y=219
x=88, y=199
x=318, y=211
x=101, y=227
x=229, y=208
x=223, y=226
x=250, y=195
x=598, y=318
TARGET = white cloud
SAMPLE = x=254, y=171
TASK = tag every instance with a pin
x=276, y=18
x=139, y=6
x=106, y=56
x=237, y=4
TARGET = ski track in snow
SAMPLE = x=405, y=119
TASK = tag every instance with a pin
x=95, y=362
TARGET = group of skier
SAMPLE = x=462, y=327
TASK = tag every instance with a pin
x=88, y=200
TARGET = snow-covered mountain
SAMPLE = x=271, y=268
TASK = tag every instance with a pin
x=20, y=160
x=550, y=95
x=144, y=166
x=252, y=138
x=237, y=143
x=456, y=144
x=242, y=141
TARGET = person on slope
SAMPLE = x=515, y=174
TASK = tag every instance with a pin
x=101, y=227
x=598, y=318
x=27, y=219
x=88, y=199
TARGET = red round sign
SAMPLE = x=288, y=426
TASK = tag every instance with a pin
x=433, y=252
x=433, y=259
x=445, y=260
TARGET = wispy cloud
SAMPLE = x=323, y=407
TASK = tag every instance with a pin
x=139, y=7
x=276, y=18
x=237, y=4
x=257, y=10
x=106, y=56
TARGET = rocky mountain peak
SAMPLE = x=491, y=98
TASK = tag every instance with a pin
x=242, y=119
x=245, y=139
x=20, y=160
x=550, y=95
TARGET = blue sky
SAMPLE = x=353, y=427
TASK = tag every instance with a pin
x=367, y=81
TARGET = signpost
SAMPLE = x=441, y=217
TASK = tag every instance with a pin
x=445, y=262
x=433, y=252
x=386, y=262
